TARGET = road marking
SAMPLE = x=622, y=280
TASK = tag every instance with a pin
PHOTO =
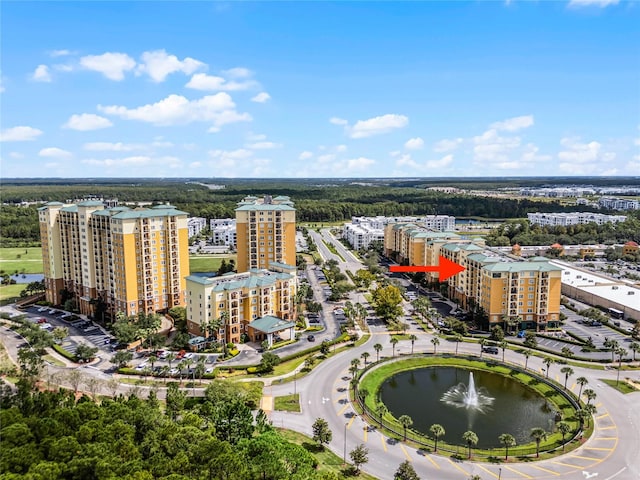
x=458, y=467
x=573, y=386
x=406, y=454
x=587, y=458
x=432, y=461
x=343, y=409
x=384, y=444
x=365, y=432
x=516, y=471
x=598, y=448
x=607, y=428
x=545, y=469
x=351, y=422
x=567, y=465
x=267, y=404
x=599, y=404
x=606, y=438
x=602, y=416
x=486, y=470
x=337, y=400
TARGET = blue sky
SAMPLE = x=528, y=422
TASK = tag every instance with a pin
x=319, y=89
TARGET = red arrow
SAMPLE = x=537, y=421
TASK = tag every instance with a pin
x=445, y=269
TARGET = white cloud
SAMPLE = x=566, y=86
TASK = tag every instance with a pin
x=405, y=160
x=87, y=121
x=378, y=125
x=530, y=155
x=19, y=134
x=60, y=53
x=111, y=147
x=341, y=148
x=111, y=65
x=359, y=163
x=414, y=144
x=178, y=110
x=326, y=158
x=158, y=64
x=229, y=158
x=447, y=145
x=61, y=67
x=633, y=167
x=592, y=3
x=195, y=164
x=305, y=155
x=490, y=147
x=579, y=158
x=338, y=121
x=579, y=152
x=264, y=145
x=262, y=97
x=16, y=155
x=202, y=81
x=41, y=74
x=135, y=161
x=54, y=152
x=513, y=124
x=442, y=163
x=238, y=72
x=256, y=137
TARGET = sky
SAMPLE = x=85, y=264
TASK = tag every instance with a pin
x=320, y=89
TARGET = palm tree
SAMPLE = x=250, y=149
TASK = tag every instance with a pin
x=503, y=346
x=621, y=352
x=406, y=421
x=581, y=415
x=457, y=338
x=527, y=354
x=378, y=348
x=568, y=371
x=566, y=352
x=582, y=381
x=564, y=428
x=381, y=410
x=152, y=360
x=436, y=431
x=613, y=346
x=435, y=342
x=471, y=439
x=590, y=394
x=165, y=372
x=355, y=363
x=548, y=361
x=413, y=338
x=365, y=356
x=394, y=342
x=538, y=434
x=635, y=348
x=483, y=343
x=507, y=440
x=170, y=358
x=590, y=409
x=353, y=370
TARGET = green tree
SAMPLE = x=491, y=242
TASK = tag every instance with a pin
x=365, y=356
x=436, y=430
x=590, y=394
x=497, y=334
x=322, y=434
x=233, y=421
x=406, y=421
x=548, y=361
x=406, y=471
x=378, y=348
x=471, y=439
x=394, y=341
x=381, y=411
x=59, y=334
x=538, y=434
x=324, y=348
x=122, y=358
x=85, y=353
x=508, y=441
x=269, y=361
x=564, y=428
x=175, y=400
x=503, y=345
x=387, y=303
x=413, y=339
x=582, y=381
x=635, y=348
x=457, y=338
x=435, y=342
x=567, y=371
x=359, y=456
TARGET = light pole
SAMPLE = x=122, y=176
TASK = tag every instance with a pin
x=344, y=454
x=499, y=473
x=295, y=372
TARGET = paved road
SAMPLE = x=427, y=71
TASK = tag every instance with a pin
x=611, y=453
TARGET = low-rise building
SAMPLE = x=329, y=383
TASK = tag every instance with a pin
x=223, y=231
x=362, y=235
x=195, y=225
x=573, y=218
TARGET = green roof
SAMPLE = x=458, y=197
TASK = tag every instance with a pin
x=69, y=208
x=263, y=206
x=271, y=324
x=148, y=213
x=518, y=267
x=282, y=265
x=256, y=278
x=91, y=203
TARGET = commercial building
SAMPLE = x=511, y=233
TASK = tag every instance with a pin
x=131, y=260
x=196, y=225
x=526, y=292
x=258, y=303
x=265, y=232
x=574, y=218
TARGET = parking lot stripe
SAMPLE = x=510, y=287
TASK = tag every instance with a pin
x=487, y=470
x=458, y=467
x=586, y=458
x=607, y=428
x=606, y=438
x=516, y=471
x=567, y=465
x=341, y=397
x=602, y=416
x=351, y=422
x=599, y=448
x=545, y=469
x=365, y=433
x=406, y=454
x=432, y=461
x=343, y=409
x=384, y=444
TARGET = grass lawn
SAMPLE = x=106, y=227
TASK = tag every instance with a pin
x=327, y=460
x=30, y=262
x=208, y=263
x=622, y=386
x=287, y=403
x=10, y=291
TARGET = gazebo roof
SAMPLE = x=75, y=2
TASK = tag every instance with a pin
x=271, y=324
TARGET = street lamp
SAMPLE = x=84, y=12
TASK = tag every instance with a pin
x=499, y=473
x=344, y=455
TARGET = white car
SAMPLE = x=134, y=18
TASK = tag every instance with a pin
x=189, y=355
x=142, y=366
x=43, y=309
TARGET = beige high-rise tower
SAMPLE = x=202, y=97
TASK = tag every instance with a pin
x=133, y=260
x=265, y=232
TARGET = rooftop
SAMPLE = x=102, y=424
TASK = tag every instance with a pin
x=271, y=324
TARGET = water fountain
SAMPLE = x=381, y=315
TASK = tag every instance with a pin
x=467, y=396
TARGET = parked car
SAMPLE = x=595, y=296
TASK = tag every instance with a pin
x=311, y=338
x=189, y=355
x=492, y=350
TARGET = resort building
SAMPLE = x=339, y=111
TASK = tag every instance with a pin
x=196, y=225
x=259, y=304
x=265, y=232
x=131, y=260
x=223, y=231
x=574, y=218
x=527, y=293
x=362, y=235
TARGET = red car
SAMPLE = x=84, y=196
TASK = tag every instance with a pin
x=42, y=320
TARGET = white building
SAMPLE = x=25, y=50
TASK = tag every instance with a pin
x=195, y=225
x=442, y=223
x=573, y=218
x=361, y=235
x=618, y=203
x=223, y=231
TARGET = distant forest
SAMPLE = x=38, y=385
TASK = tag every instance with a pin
x=316, y=200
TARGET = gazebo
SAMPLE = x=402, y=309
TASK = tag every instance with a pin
x=263, y=328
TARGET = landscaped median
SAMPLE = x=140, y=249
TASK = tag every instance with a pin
x=564, y=402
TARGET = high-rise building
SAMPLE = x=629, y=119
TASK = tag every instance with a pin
x=131, y=260
x=265, y=232
x=259, y=304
